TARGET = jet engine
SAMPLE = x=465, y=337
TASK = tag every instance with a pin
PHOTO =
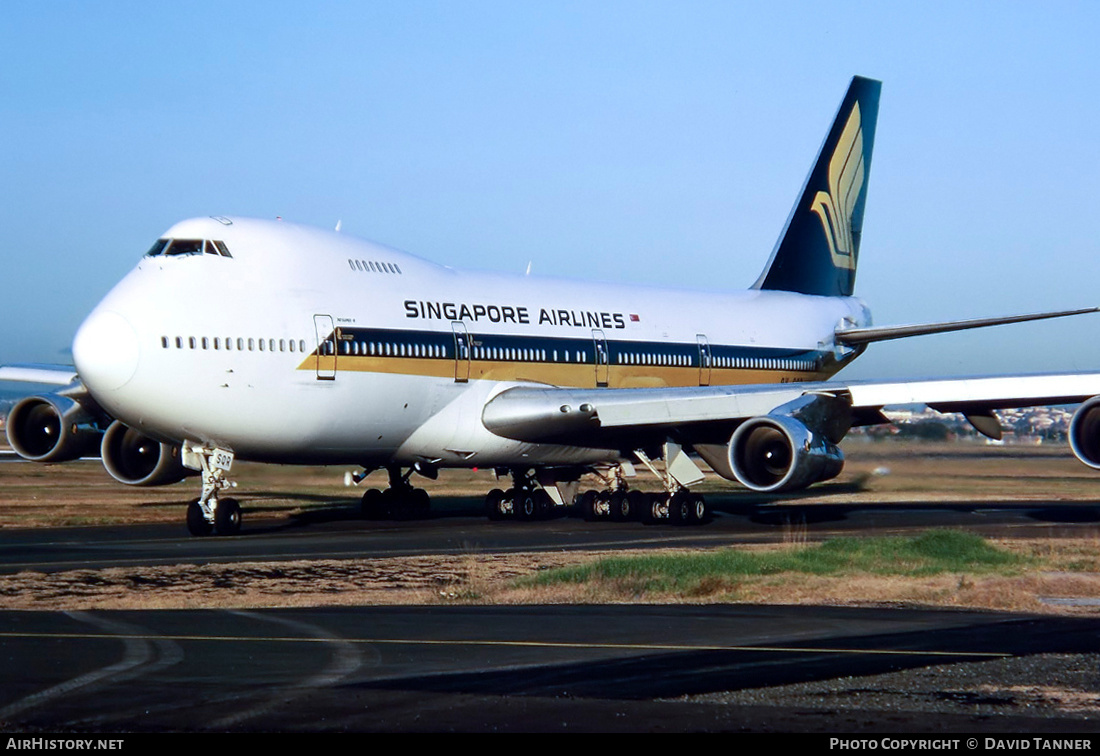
x=135, y=459
x=1084, y=433
x=51, y=428
x=791, y=447
x=779, y=453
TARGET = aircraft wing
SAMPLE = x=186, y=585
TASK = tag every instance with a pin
x=775, y=437
x=582, y=416
x=52, y=375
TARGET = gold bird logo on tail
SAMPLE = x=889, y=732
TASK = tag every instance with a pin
x=835, y=207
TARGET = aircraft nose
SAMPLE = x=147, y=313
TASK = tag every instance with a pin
x=105, y=350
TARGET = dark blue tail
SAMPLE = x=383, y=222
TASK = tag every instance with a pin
x=819, y=247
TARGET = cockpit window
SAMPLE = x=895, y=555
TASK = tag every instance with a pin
x=184, y=247
x=179, y=247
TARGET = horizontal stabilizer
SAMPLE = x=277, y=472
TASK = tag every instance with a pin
x=858, y=336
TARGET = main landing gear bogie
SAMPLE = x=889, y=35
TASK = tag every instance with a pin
x=681, y=508
x=401, y=500
x=519, y=503
x=395, y=503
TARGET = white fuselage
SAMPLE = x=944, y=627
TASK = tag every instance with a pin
x=307, y=346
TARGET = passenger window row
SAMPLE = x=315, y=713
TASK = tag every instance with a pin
x=645, y=358
x=229, y=344
x=386, y=349
x=749, y=363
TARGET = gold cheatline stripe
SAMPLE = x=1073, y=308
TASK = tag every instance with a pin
x=581, y=375
x=513, y=644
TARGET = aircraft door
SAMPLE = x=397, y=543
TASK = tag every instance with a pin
x=462, y=351
x=704, y=359
x=603, y=363
x=326, y=353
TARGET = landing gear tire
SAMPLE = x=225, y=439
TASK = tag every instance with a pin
x=493, y=505
x=620, y=506
x=527, y=505
x=544, y=504
x=371, y=506
x=391, y=505
x=655, y=509
x=227, y=517
x=698, y=510
x=679, y=510
x=197, y=524
x=421, y=503
x=588, y=506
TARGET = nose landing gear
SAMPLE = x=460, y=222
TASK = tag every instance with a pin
x=209, y=513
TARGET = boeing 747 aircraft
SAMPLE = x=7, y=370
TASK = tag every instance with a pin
x=237, y=338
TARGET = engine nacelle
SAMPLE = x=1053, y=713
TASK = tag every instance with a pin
x=778, y=453
x=133, y=458
x=51, y=428
x=1084, y=433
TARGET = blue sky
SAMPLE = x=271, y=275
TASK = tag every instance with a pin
x=654, y=142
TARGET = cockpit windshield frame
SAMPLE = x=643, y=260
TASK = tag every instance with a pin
x=157, y=248
x=188, y=247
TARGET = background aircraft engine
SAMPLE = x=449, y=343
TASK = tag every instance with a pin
x=133, y=458
x=51, y=428
x=1084, y=433
x=779, y=453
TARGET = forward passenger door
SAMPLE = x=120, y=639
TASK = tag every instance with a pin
x=326, y=347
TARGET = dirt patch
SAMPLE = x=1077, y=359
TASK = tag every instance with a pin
x=492, y=579
x=397, y=580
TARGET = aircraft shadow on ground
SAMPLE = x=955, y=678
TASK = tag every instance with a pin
x=794, y=515
x=325, y=509
x=761, y=509
x=673, y=674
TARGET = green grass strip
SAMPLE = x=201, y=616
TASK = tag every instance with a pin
x=931, y=553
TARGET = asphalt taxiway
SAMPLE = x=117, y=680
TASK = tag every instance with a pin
x=519, y=668
x=456, y=526
x=480, y=669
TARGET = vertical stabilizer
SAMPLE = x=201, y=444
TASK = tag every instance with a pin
x=819, y=247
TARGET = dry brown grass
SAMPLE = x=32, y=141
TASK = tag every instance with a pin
x=491, y=579
x=398, y=580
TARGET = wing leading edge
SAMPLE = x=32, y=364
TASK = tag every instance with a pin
x=49, y=375
x=578, y=415
x=776, y=437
